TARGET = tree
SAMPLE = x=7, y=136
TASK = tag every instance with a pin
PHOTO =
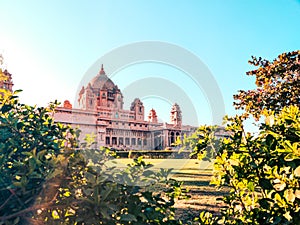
x=278, y=85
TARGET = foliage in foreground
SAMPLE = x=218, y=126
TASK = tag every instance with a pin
x=262, y=171
x=44, y=180
x=29, y=145
x=94, y=193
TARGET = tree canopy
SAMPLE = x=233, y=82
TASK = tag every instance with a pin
x=278, y=85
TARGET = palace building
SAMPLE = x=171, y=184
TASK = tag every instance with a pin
x=101, y=113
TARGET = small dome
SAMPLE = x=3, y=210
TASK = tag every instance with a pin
x=152, y=116
x=101, y=81
x=67, y=104
x=152, y=113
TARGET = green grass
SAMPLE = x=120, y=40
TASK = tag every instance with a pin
x=196, y=176
x=175, y=164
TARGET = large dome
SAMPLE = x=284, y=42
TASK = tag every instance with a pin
x=101, y=81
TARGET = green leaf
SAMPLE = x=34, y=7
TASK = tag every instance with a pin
x=251, y=186
x=128, y=217
x=6, y=108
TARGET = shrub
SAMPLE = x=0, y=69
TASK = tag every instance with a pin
x=261, y=171
x=94, y=193
x=30, y=142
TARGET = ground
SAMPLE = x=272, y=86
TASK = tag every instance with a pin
x=196, y=176
x=203, y=196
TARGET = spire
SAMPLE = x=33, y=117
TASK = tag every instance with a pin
x=102, y=72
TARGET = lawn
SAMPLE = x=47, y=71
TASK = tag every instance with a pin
x=196, y=176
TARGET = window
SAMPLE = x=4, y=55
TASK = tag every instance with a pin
x=133, y=141
x=107, y=141
x=127, y=141
x=114, y=140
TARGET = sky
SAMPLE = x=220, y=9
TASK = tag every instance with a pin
x=53, y=47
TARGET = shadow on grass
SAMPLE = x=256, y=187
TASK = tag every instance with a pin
x=183, y=174
x=213, y=193
x=199, y=183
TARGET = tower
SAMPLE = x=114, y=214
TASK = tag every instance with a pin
x=176, y=118
x=138, y=108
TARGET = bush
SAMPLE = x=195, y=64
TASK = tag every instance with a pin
x=261, y=171
x=93, y=193
x=30, y=142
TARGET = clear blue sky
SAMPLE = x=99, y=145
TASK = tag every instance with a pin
x=49, y=45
